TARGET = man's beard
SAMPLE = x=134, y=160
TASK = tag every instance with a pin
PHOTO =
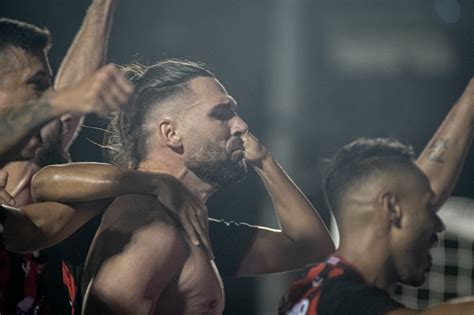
x=217, y=168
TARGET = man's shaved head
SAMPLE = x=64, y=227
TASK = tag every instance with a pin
x=160, y=88
x=28, y=37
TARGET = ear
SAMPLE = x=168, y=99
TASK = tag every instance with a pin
x=70, y=128
x=169, y=133
x=391, y=206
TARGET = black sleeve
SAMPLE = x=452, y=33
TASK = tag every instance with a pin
x=230, y=242
x=342, y=296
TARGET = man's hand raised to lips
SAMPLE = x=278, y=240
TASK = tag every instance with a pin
x=255, y=152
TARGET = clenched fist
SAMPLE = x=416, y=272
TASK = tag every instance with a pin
x=104, y=91
x=255, y=152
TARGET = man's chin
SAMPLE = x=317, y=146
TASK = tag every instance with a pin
x=235, y=174
x=418, y=279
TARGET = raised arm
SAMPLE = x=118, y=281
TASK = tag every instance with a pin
x=303, y=237
x=86, y=54
x=103, y=91
x=443, y=158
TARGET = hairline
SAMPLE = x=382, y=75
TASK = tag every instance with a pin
x=396, y=164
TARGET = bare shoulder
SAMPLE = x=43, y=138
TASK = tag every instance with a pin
x=145, y=216
x=135, y=210
x=134, y=231
x=137, y=246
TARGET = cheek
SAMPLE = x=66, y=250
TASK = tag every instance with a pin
x=18, y=96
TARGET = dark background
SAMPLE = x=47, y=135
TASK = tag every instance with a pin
x=309, y=77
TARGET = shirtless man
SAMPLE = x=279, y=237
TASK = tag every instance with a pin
x=183, y=122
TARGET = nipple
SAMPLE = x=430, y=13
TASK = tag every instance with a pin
x=213, y=304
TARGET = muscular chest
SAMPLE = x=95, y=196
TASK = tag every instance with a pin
x=199, y=286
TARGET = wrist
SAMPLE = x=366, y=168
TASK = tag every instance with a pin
x=265, y=162
x=55, y=104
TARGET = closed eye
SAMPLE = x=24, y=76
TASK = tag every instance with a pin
x=40, y=85
x=223, y=112
x=40, y=81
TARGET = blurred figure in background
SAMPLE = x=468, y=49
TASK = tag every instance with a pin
x=27, y=104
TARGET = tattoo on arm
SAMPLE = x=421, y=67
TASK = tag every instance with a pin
x=437, y=150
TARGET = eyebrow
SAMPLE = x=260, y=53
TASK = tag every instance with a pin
x=230, y=104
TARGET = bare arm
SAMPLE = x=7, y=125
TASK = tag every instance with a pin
x=444, y=156
x=86, y=54
x=41, y=225
x=80, y=182
x=303, y=237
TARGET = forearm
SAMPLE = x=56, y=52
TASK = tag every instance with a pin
x=86, y=54
x=77, y=182
x=444, y=156
x=20, y=123
x=299, y=220
x=41, y=225
x=88, y=51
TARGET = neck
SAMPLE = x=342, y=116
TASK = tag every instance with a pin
x=200, y=189
x=375, y=267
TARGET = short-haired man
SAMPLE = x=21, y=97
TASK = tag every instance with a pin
x=25, y=76
x=27, y=104
x=386, y=213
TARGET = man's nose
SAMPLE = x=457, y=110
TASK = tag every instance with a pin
x=239, y=127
